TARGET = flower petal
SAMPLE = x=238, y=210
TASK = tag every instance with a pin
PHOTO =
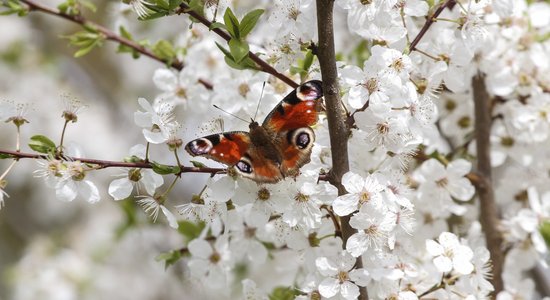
x=120, y=188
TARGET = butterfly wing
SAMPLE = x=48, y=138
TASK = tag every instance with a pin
x=289, y=122
x=227, y=147
x=298, y=109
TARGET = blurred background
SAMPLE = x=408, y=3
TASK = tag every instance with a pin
x=55, y=250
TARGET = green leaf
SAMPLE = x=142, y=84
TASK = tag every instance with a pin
x=249, y=22
x=13, y=7
x=165, y=169
x=190, y=230
x=225, y=51
x=86, y=40
x=164, y=50
x=42, y=144
x=232, y=23
x=283, y=293
x=169, y=258
x=239, y=49
x=217, y=25
x=197, y=164
x=4, y=156
x=545, y=232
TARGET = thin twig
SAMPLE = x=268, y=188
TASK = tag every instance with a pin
x=109, y=35
x=264, y=66
x=489, y=210
x=336, y=116
x=110, y=164
x=429, y=22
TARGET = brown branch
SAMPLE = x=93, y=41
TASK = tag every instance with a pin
x=264, y=66
x=109, y=35
x=489, y=216
x=429, y=22
x=110, y=164
x=336, y=117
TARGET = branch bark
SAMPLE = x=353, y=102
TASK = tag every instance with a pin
x=336, y=116
x=429, y=22
x=489, y=216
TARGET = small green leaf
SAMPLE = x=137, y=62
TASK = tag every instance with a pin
x=545, y=232
x=225, y=51
x=169, y=258
x=13, y=7
x=217, y=25
x=42, y=144
x=239, y=49
x=249, y=22
x=4, y=156
x=283, y=293
x=190, y=230
x=132, y=159
x=197, y=164
x=231, y=23
x=164, y=50
x=165, y=169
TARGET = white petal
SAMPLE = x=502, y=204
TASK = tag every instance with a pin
x=357, y=244
x=461, y=189
x=200, y=248
x=443, y=264
x=349, y=290
x=353, y=183
x=257, y=253
x=329, y=287
x=138, y=150
x=345, y=204
x=434, y=248
x=463, y=267
x=326, y=266
x=120, y=188
x=448, y=240
x=143, y=119
x=360, y=277
x=151, y=181
x=198, y=267
x=66, y=190
x=459, y=167
x=154, y=137
x=170, y=217
x=89, y=191
x=165, y=80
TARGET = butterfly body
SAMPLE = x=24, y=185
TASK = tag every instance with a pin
x=274, y=150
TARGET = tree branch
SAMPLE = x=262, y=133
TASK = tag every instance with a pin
x=336, y=117
x=110, y=164
x=489, y=212
x=264, y=66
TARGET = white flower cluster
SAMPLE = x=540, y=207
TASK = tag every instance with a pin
x=409, y=199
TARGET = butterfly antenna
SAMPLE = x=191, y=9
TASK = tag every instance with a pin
x=261, y=96
x=225, y=111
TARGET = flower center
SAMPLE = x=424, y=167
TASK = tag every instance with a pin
x=383, y=128
x=442, y=182
x=464, y=122
x=507, y=141
x=243, y=89
x=215, y=257
x=263, y=194
x=293, y=13
x=343, y=276
x=301, y=197
x=398, y=64
x=371, y=85
x=365, y=197
x=181, y=93
x=134, y=174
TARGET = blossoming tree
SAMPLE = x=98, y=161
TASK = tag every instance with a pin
x=425, y=175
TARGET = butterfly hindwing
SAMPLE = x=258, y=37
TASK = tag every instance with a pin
x=296, y=147
x=227, y=147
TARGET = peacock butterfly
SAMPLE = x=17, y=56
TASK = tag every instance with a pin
x=277, y=148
